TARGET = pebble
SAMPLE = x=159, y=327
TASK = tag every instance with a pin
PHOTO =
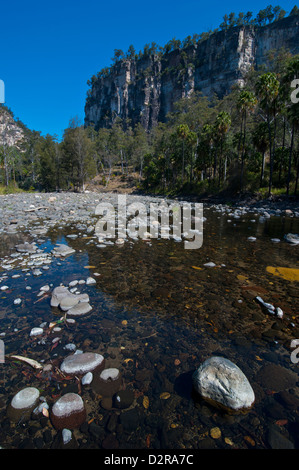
x=36, y=331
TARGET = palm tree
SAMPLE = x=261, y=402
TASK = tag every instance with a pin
x=291, y=73
x=267, y=89
x=246, y=103
x=261, y=143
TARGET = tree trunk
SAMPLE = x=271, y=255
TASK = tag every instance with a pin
x=297, y=176
x=263, y=169
x=290, y=159
x=271, y=157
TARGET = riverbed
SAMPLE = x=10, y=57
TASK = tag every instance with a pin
x=159, y=310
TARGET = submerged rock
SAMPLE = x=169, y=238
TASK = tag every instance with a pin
x=62, y=250
x=107, y=383
x=22, y=404
x=79, y=364
x=292, y=238
x=26, y=248
x=123, y=399
x=82, y=308
x=68, y=412
x=221, y=382
x=57, y=295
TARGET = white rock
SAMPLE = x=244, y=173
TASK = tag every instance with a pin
x=210, y=264
x=81, y=363
x=58, y=294
x=67, y=404
x=292, y=238
x=36, y=331
x=62, y=250
x=25, y=398
x=109, y=374
x=45, y=288
x=70, y=347
x=222, y=381
x=90, y=281
x=66, y=436
x=69, y=301
x=17, y=301
x=87, y=378
x=279, y=312
x=82, y=308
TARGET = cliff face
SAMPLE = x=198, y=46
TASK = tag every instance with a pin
x=145, y=90
x=11, y=134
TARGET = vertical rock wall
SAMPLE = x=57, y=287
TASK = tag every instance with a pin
x=145, y=90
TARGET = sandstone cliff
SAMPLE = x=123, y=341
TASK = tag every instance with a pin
x=11, y=132
x=145, y=89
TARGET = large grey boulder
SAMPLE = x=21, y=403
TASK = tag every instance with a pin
x=222, y=382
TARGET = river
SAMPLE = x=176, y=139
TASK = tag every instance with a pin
x=158, y=311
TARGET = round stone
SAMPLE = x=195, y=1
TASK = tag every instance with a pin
x=107, y=383
x=58, y=294
x=68, y=412
x=36, y=331
x=69, y=301
x=82, y=308
x=22, y=404
x=222, y=383
x=80, y=364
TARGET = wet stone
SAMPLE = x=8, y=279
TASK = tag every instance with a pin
x=123, y=399
x=129, y=420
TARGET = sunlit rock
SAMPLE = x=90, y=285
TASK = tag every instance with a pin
x=222, y=383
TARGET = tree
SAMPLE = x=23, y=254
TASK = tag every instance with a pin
x=261, y=142
x=291, y=73
x=221, y=126
x=77, y=155
x=118, y=55
x=182, y=133
x=46, y=152
x=267, y=89
x=294, y=11
x=131, y=52
x=245, y=104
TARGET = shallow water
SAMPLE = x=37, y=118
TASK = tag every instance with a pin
x=157, y=314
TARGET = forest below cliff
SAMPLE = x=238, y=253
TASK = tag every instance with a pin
x=247, y=141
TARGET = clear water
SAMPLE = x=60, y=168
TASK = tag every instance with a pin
x=157, y=318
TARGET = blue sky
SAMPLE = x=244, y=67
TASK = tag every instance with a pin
x=49, y=49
